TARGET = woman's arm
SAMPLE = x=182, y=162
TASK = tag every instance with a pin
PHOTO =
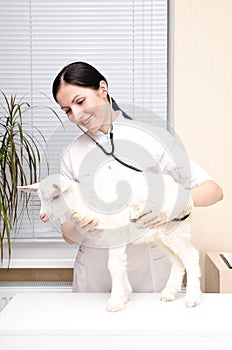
x=207, y=193
x=70, y=233
x=76, y=230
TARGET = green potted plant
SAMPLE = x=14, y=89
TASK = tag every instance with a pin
x=19, y=165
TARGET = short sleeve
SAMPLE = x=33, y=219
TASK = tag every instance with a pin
x=198, y=174
x=175, y=162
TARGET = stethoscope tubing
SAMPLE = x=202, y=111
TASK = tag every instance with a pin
x=111, y=153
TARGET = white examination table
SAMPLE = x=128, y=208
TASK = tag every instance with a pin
x=80, y=321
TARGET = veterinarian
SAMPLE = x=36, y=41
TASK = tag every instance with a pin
x=82, y=93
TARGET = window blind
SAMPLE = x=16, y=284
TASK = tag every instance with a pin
x=125, y=40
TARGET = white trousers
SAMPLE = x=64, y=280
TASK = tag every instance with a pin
x=148, y=269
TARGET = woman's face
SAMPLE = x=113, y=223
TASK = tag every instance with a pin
x=85, y=106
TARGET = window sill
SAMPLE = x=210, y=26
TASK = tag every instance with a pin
x=37, y=263
x=41, y=249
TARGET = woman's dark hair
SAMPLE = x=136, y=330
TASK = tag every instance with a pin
x=78, y=73
x=81, y=74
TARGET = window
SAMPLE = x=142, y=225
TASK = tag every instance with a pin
x=126, y=40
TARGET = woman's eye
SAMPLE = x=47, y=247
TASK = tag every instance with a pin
x=80, y=102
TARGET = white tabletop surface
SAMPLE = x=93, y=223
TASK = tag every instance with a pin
x=85, y=315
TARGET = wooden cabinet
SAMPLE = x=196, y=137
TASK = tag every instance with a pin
x=218, y=276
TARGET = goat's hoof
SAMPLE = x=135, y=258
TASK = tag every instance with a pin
x=128, y=294
x=167, y=295
x=115, y=304
x=192, y=300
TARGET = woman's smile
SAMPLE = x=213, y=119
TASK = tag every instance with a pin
x=85, y=106
x=87, y=121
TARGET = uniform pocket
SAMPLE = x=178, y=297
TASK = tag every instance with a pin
x=157, y=253
x=80, y=259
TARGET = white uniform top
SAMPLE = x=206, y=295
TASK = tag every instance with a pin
x=148, y=148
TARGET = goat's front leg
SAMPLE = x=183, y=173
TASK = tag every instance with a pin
x=121, y=287
x=190, y=259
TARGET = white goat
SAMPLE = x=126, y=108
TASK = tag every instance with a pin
x=62, y=197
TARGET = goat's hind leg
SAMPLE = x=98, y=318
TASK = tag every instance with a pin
x=189, y=256
x=193, y=288
x=174, y=283
x=121, y=288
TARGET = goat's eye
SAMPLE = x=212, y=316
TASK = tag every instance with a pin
x=55, y=198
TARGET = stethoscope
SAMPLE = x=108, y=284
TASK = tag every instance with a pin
x=111, y=153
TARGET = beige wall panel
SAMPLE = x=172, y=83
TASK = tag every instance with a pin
x=203, y=107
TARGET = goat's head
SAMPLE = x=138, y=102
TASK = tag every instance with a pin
x=56, y=195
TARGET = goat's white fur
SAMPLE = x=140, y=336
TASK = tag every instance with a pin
x=61, y=197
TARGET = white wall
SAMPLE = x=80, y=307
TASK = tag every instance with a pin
x=203, y=107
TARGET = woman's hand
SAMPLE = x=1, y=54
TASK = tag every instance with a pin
x=206, y=194
x=170, y=200
x=78, y=229
x=150, y=217
x=85, y=225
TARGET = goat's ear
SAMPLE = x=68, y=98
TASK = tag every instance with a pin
x=30, y=188
x=63, y=186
